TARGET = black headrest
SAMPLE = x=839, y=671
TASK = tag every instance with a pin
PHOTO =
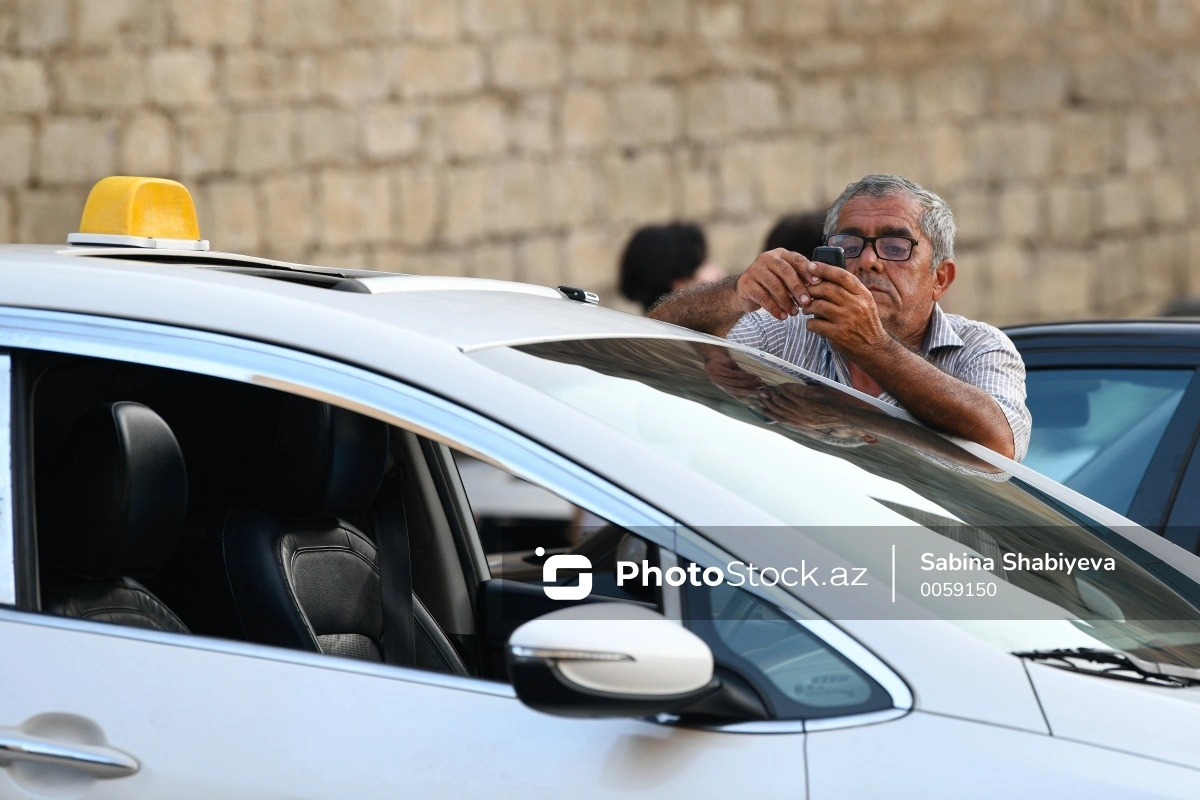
x=327, y=461
x=117, y=495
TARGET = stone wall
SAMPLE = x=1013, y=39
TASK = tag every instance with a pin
x=527, y=138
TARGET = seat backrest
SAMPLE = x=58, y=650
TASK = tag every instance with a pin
x=110, y=510
x=302, y=575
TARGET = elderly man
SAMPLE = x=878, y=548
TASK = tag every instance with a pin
x=876, y=325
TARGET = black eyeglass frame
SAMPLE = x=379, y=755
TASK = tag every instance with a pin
x=870, y=240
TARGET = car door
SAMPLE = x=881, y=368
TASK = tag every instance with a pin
x=98, y=710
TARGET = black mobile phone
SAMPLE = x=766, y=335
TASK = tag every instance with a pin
x=830, y=255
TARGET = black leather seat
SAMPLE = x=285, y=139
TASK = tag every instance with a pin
x=110, y=509
x=301, y=574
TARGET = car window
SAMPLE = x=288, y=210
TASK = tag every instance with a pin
x=800, y=675
x=1095, y=430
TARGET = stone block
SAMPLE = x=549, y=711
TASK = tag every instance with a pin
x=43, y=24
x=23, y=86
x=1121, y=207
x=440, y=262
x=7, y=228
x=229, y=216
x=738, y=186
x=393, y=131
x=488, y=19
x=720, y=19
x=789, y=18
x=1105, y=80
x=1121, y=277
x=818, y=105
x=494, y=261
x=600, y=62
x=585, y=119
x=830, y=55
x=1031, y=87
x=654, y=19
x=46, y=216
x=16, y=143
x=180, y=78
x=466, y=204
x=372, y=21
x=639, y=188
x=968, y=295
x=517, y=197
x=75, y=150
x=591, y=257
x=439, y=70
x=694, y=184
x=287, y=213
x=1020, y=207
x=205, y=143
x=299, y=24
x=148, y=146
x=576, y=193
x=416, y=205
x=343, y=258
x=1142, y=150
x=263, y=141
x=877, y=100
x=329, y=136
x=540, y=260
x=718, y=108
x=1071, y=213
x=1087, y=143
x=227, y=23
x=527, y=63
x=434, y=20
x=253, y=77
x=946, y=156
x=354, y=208
x=105, y=23
x=974, y=213
x=474, y=128
x=958, y=90
x=1010, y=285
x=787, y=174
x=99, y=82
x=534, y=125
x=735, y=244
x=1180, y=143
x=351, y=77
x=1003, y=150
x=673, y=60
x=646, y=114
x=1168, y=199
x=1063, y=283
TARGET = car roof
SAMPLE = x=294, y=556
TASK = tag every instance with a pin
x=1169, y=333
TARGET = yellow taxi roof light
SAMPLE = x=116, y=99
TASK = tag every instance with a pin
x=140, y=212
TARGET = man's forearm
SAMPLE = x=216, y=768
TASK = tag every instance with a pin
x=708, y=308
x=940, y=400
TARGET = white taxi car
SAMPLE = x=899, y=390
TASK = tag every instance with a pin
x=237, y=558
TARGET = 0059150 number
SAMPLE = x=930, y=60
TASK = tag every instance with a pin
x=949, y=589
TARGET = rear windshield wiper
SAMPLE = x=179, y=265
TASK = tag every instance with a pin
x=1115, y=664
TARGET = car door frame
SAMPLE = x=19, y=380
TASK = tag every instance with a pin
x=1164, y=474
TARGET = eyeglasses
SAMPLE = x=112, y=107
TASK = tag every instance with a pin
x=888, y=248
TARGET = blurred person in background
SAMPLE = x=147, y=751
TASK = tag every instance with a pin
x=661, y=259
x=800, y=233
x=875, y=325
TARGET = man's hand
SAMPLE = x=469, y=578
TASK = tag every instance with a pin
x=724, y=372
x=773, y=282
x=843, y=309
x=817, y=409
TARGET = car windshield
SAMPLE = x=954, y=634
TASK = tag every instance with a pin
x=849, y=479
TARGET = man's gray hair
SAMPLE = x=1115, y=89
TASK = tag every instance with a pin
x=936, y=220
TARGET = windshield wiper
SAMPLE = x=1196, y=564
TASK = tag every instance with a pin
x=1115, y=664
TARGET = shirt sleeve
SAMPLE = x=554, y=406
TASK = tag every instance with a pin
x=760, y=330
x=996, y=367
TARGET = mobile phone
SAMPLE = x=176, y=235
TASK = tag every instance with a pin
x=830, y=255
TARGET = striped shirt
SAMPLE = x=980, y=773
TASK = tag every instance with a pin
x=974, y=352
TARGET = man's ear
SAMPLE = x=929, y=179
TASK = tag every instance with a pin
x=943, y=276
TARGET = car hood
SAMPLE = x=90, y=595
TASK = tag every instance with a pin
x=1147, y=720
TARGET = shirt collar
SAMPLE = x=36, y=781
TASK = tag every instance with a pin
x=940, y=333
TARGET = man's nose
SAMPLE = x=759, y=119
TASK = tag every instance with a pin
x=868, y=260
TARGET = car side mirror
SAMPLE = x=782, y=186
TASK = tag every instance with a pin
x=609, y=660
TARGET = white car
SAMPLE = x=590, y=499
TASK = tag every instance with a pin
x=237, y=558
